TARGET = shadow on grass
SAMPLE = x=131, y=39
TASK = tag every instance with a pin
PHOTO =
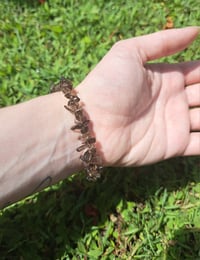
x=185, y=245
x=25, y=3
x=50, y=224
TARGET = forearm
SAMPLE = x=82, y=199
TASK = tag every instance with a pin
x=37, y=146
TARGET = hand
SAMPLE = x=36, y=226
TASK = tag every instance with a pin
x=142, y=113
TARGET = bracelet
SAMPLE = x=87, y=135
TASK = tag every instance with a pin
x=89, y=157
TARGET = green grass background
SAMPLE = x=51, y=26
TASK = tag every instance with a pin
x=150, y=212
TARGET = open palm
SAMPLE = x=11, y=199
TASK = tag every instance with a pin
x=142, y=112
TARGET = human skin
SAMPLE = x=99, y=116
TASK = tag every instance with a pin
x=140, y=113
x=145, y=111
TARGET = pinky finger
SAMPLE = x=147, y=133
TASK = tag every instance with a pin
x=193, y=147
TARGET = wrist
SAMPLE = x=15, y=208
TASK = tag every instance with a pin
x=89, y=156
x=65, y=159
x=92, y=111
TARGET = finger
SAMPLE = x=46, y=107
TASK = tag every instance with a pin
x=193, y=147
x=191, y=71
x=193, y=95
x=195, y=119
x=164, y=43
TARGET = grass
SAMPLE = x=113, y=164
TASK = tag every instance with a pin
x=150, y=212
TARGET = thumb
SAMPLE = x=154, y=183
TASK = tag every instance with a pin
x=164, y=43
